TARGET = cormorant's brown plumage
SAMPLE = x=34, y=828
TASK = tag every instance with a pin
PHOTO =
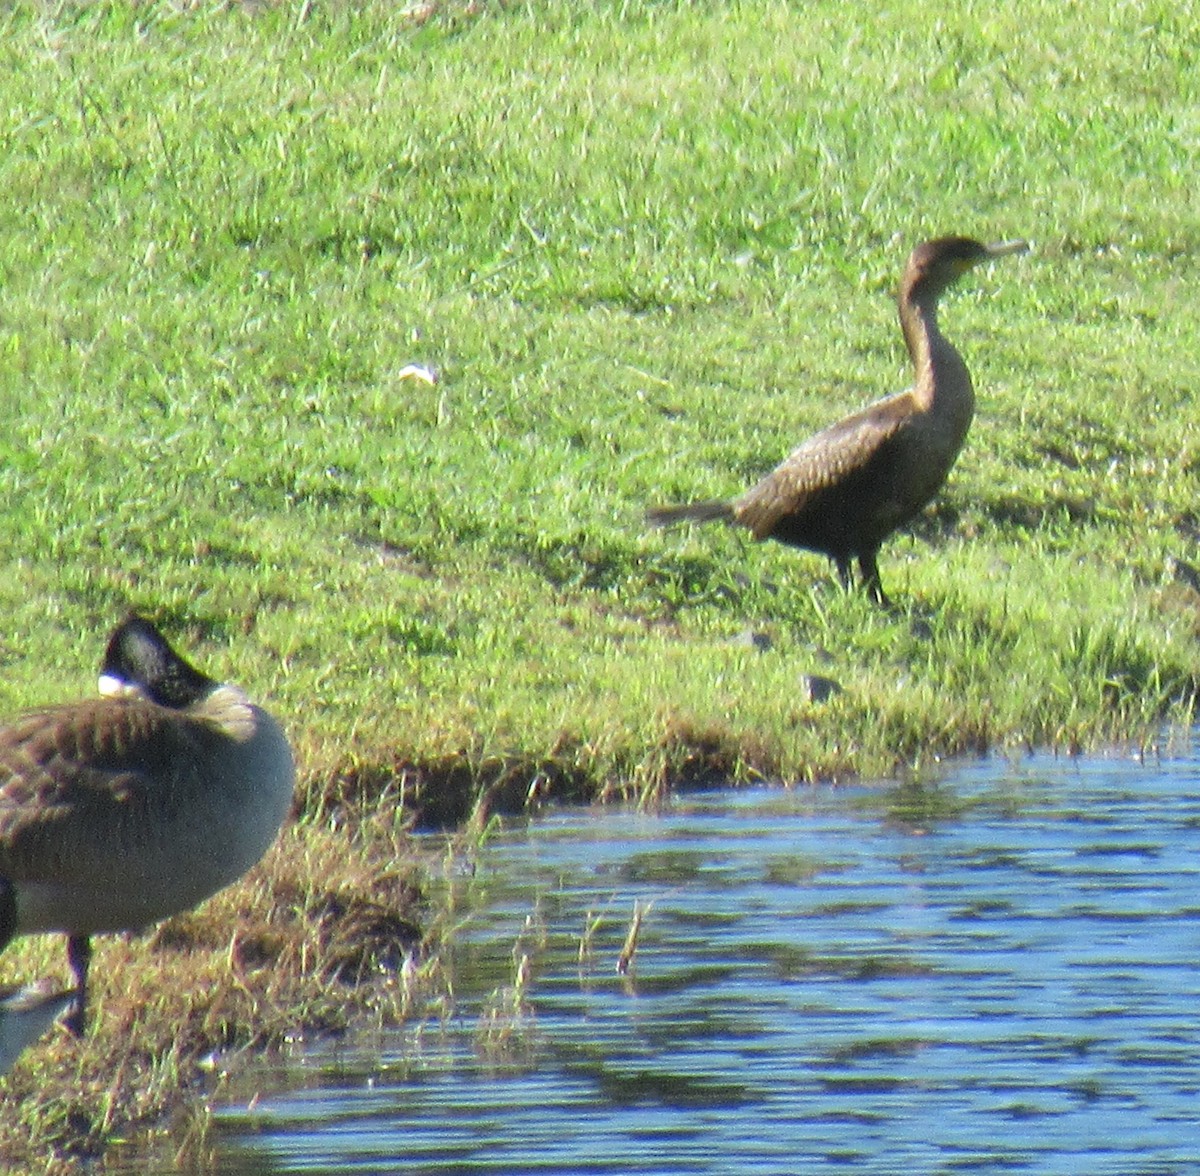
x=846, y=489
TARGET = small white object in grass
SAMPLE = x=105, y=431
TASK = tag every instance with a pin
x=416, y=371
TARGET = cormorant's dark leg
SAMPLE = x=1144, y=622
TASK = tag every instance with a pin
x=79, y=953
x=870, y=579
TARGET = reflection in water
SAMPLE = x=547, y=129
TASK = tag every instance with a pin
x=999, y=975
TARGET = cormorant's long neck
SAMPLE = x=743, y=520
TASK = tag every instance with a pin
x=941, y=381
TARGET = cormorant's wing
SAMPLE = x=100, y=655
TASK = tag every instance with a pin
x=821, y=463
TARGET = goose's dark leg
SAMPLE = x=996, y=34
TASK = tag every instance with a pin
x=843, y=573
x=8, y=913
x=79, y=954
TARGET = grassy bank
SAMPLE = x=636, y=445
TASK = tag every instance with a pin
x=644, y=248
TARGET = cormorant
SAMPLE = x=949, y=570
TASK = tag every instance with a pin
x=846, y=489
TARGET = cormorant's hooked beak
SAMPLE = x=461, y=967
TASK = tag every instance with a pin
x=1004, y=248
x=994, y=250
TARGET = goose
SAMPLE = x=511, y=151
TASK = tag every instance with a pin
x=119, y=811
x=847, y=488
x=25, y=1015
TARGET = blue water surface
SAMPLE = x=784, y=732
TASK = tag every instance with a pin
x=997, y=972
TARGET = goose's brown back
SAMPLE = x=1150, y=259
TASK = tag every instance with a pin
x=118, y=812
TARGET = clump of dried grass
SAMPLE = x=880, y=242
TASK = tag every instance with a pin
x=326, y=930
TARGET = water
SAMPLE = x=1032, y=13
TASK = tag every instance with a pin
x=997, y=973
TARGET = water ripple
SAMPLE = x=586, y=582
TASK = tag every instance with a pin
x=1008, y=986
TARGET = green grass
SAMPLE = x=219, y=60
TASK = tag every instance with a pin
x=647, y=247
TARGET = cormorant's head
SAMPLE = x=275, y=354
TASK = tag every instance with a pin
x=939, y=263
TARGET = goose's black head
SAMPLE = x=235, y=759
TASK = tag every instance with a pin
x=140, y=660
